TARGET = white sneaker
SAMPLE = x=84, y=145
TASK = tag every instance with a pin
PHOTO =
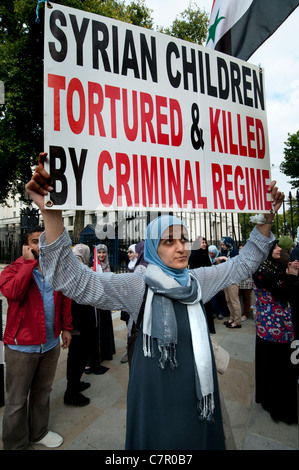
x=52, y=439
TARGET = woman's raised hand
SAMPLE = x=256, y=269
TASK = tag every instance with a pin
x=40, y=183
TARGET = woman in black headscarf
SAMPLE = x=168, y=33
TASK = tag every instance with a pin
x=275, y=374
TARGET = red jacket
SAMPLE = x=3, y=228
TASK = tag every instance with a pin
x=25, y=322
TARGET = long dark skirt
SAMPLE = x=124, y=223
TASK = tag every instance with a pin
x=162, y=409
x=276, y=378
x=107, y=344
x=103, y=345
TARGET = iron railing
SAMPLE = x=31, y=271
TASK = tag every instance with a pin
x=130, y=228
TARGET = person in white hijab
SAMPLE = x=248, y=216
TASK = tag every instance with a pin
x=132, y=257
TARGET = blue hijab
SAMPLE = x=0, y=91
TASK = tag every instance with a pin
x=213, y=249
x=230, y=251
x=154, y=232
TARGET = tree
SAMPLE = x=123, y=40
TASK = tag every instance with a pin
x=21, y=47
x=290, y=165
x=192, y=27
x=21, y=71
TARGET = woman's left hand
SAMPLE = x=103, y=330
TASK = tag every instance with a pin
x=293, y=268
x=277, y=198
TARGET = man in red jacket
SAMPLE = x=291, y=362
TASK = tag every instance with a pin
x=36, y=316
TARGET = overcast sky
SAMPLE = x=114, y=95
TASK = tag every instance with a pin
x=279, y=56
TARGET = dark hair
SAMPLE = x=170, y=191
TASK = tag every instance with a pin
x=275, y=243
x=28, y=232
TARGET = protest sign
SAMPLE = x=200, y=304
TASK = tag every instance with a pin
x=139, y=120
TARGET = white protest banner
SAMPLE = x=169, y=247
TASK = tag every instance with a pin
x=138, y=120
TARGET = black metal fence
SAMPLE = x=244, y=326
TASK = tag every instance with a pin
x=130, y=228
x=9, y=251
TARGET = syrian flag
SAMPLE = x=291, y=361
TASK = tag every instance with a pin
x=239, y=27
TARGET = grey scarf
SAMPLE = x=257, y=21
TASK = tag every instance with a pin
x=159, y=324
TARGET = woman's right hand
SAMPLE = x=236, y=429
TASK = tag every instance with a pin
x=40, y=183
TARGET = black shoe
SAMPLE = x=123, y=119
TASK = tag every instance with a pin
x=230, y=325
x=76, y=400
x=96, y=370
x=100, y=370
x=83, y=386
x=124, y=359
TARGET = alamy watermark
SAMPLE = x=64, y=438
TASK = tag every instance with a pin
x=120, y=225
x=295, y=354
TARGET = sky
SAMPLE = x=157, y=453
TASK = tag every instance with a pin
x=279, y=57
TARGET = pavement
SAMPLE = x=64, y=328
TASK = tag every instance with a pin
x=101, y=425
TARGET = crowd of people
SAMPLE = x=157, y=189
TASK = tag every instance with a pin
x=173, y=299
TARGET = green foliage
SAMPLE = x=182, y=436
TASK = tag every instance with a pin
x=290, y=165
x=192, y=26
x=21, y=49
x=140, y=14
x=284, y=222
x=136, y=12
x=21, y=71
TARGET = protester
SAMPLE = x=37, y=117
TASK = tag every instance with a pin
x=293, y=269
x=245, y=290
x=293, y=277
x=199, y=255
x=199, y=258
x=84, y=336
x=232, y=291
x=106, y=333
x=101, y=263
x=132, y=257
x=295, y=251
x=139, y=266
x=287, y=243
x=124, y=316
x=36, y=316
x=276, y=376
x=213, y=253
x=173, y=406
x=104, y=346
x=219, y=305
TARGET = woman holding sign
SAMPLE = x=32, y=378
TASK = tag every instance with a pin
x=173, y=398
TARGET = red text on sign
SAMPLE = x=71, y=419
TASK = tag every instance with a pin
x=157, y=120
x=228, y=131
x=157, y=182
x=234, y=188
